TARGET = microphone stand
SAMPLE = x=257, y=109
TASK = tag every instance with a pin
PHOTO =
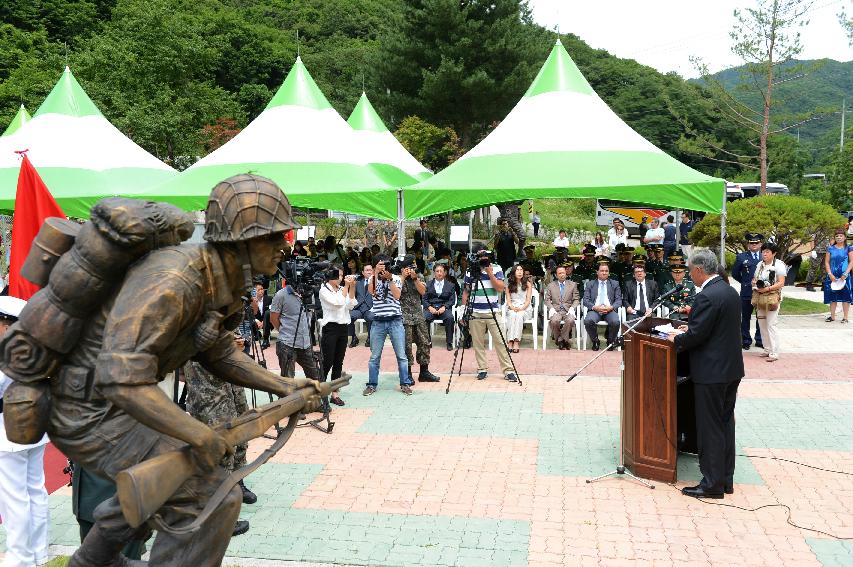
x=620, y=463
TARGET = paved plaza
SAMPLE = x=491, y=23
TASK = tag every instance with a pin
x=494, y=473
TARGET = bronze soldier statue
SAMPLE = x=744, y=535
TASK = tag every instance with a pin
x=103, y=334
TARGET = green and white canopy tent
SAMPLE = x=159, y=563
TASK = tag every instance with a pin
x=81, y=157
x=382, y=148
x=21, y=118
x=562, y=141
x=300, y=142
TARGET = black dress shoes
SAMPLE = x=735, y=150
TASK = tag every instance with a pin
x=427, y=376
x=699, y=491
x=746, y=347
x=596, y=345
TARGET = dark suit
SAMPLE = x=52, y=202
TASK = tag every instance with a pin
x=446, y=299
x=590, y=296
x=716, y=367
x=630, y=299
x=743, y=271
x=264, y=317
x=363, y=306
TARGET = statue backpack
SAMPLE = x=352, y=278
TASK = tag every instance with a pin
x=77, y=265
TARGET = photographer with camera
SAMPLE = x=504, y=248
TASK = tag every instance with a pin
x=289, y=315
x=337, y=303
x=414, y=323
x=485, y=316
x=386, y=289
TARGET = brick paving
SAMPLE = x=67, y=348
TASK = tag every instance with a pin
x=494, y=473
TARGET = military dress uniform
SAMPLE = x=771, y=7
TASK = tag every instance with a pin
x=416, y=329
x=684, y=298
x=371, y=235
x=742, y=271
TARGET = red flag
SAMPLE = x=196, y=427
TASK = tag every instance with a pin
x=33, y=204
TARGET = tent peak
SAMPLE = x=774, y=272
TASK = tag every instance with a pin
x=21, y=117
x=68, y=97
x=365, y=117
x=299, y=89
x=559, y=73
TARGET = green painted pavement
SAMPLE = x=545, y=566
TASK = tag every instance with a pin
x=63, y=525
x=795, y=423
x=831, y=552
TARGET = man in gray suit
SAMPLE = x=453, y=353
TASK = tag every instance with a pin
x=562, y=296
x=603, y=298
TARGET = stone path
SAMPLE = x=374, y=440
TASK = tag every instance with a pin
x=494, y=473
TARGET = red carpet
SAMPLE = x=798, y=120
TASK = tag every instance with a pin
x=54, y=462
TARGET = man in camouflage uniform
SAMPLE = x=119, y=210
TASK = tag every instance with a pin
x=213, y=401
x=371, y=233
x=816, y=263
x=654, y=264
x=681, y=303
x=389, y=239
x=415, y=323
x=622, y=268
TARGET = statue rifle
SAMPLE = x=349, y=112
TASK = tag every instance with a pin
x=143, y=488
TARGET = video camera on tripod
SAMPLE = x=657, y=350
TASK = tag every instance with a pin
x=304, y=275
x=479, y=260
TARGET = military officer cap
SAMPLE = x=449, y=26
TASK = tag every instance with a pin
x=589, y=250
x=620, y=247
x=567, y=264
x=627, y=250
x=602, y=260
x=639, y=259
x=678, y=269
x=11, y=307
x=753, y=237
x=676, y=257
x=529, y=247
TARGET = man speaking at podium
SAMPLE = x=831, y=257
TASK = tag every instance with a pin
x=712, y=340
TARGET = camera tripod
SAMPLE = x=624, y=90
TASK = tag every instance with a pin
x=474, y=272
x=257, y=355
x=307, y=305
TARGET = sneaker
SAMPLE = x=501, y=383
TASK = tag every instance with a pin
x=481, y=375
x=406, y=389
x=370, y=390
x=511, y=377
x=241, y=527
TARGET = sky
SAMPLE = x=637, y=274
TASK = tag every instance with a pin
x=664, y=34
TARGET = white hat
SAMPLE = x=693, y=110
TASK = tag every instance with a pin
x=11, y=306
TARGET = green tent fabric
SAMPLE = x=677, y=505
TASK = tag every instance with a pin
x=300, y=142
x=562, y=141
x=21, y=118
x=81, y=157
x=380, y=145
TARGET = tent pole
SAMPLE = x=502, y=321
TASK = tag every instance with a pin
x=401, y=227
x=723, y=230
x=470, y=231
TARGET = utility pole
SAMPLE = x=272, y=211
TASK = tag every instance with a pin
x=843, y=103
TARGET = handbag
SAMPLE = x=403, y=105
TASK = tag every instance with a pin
x=767, y=301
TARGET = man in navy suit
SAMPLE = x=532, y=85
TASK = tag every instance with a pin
x=716, y=368
x=743, y=271
x=439, y=300
x=364, y=302
x=603, y=298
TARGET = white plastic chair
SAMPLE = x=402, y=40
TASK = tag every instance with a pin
x=546, y=328
x=584, y=310
x=533, y=321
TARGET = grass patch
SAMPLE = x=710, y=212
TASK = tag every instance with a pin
x=794, y=306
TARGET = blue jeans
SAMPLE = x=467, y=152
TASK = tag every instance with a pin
x=378, y=331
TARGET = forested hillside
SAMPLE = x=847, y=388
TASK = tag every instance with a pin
x=819, y=89
x=181, y=76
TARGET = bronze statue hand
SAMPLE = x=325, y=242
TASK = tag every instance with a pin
x=209, y=450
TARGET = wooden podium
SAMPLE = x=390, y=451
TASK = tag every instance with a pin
x=650, y=426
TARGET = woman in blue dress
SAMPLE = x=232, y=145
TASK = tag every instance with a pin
x=838, y=263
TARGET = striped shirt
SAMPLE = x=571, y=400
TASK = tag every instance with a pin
x=385, y=306
x=485, y=297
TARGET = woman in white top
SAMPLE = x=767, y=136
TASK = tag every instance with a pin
x=23, y=497
x=617, y=235
x=337, y=302
x=518, y=307
x=602, y=248
x=769, y=277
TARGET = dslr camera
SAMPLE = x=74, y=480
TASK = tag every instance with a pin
x=400, y=262
x=481, y=259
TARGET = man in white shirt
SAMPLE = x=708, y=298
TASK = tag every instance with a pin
x=561, y=241
x=23, y=497
x=535, y=220
x=655, y=234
